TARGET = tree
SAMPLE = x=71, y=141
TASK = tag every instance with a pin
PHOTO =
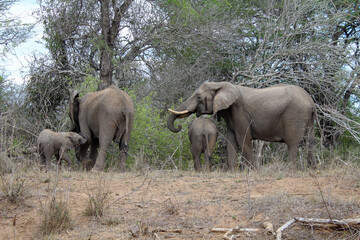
x=110, y=27
x=103, y=44
x=12, y=31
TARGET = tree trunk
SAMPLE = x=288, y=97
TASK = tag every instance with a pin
x=109, y=32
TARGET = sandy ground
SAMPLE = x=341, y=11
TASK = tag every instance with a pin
x=184, y=205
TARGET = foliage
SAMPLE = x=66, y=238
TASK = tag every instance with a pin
x=151, y=137
x=87, y=85
x=12, y=31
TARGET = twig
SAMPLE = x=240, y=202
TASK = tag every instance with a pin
x=135, y=190
x=313, y=175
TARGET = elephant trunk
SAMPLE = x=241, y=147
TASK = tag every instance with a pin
x=184, y=110
x=170, y=123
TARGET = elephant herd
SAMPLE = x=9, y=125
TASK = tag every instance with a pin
x=280, y=113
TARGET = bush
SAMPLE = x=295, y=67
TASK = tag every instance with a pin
x=152, y=143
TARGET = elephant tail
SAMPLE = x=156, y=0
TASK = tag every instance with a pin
x=318, y=124
x=210, y=143
x=206, y=136
x=123, y=131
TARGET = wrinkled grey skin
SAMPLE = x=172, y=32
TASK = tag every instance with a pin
x=281, y=113
x=52, y=143
x=102, y=116
x=202, y=134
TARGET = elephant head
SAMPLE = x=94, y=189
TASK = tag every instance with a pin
x=74, y=111
x=75, y=140
x=209, y=98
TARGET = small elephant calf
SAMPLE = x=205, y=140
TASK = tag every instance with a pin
x=52, y=143
x=203, y=135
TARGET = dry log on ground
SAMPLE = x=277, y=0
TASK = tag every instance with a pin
x=333, y=223
x=230, y=233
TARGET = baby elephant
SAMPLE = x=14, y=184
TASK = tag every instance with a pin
x=202, y=135
x=57, y=143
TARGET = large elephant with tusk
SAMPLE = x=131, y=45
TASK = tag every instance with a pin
x=281, y=113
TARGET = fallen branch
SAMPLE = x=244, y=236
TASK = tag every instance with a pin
x=282, y=228
x=157, y=236
x=344, y=224
x=230, y=232
x=158, y=230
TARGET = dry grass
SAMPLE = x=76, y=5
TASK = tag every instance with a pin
x=56, y=217
x=170, y=208
x=13, y=187
x=54, y=211
x=185, y=204
x=98, y=199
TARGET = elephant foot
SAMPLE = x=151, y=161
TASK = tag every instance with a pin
x=87, y=164
x=97, y=168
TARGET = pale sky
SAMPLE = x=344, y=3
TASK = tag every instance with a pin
x=16, y=67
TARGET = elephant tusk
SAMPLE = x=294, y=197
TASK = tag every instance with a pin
x=185, y=115
x=179, y=113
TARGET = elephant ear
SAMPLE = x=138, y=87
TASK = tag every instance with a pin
x=74, y=111
x=72, y=140
x=226, y=94
x=69, y=144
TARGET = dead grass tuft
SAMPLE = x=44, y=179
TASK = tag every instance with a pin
x=13, y=187
x=5, y=163
x=56, y=217
x=98, y=200
x=170, y=208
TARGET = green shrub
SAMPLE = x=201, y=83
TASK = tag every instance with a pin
x=153, y=142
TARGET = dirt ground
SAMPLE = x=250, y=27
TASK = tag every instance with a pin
x=185, y=205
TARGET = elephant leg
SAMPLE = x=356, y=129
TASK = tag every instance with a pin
x=81, y=151
x=293, y=138
x=293, y=151
x=247, y=152
x=310, y=146
x=93, y=152
x=42, y=158
x=45, y=155
x=208, y=153
x=104, y=144
x=207, y=162
x=232, y=148
x=48, y=157
x=197, y=164
x=64, y=156
x=123, y=156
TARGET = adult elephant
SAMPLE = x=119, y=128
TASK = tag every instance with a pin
x=281, y=113
x=102, y=116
